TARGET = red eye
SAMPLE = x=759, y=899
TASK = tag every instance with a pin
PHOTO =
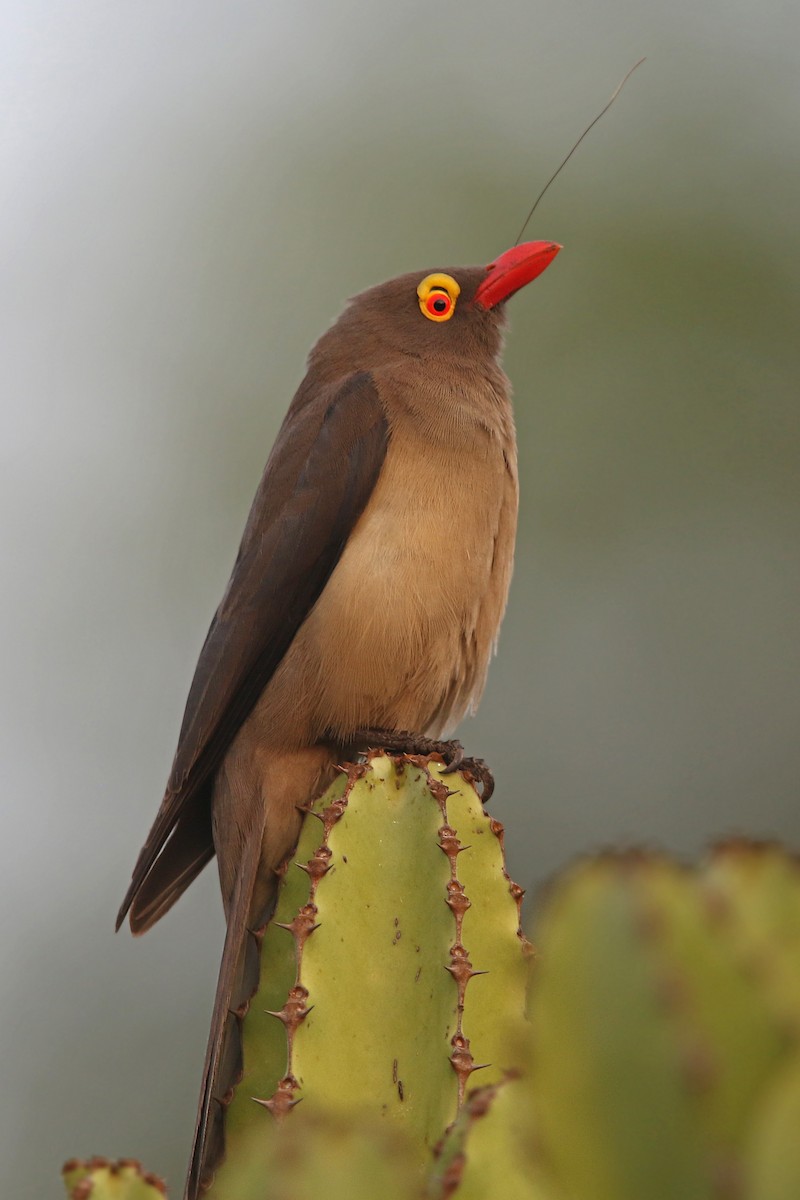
x=437, y=295
x=439, y=304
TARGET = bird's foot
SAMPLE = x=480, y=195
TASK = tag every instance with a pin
x=401, y=741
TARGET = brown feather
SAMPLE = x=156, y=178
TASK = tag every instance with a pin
x=188, y=850
x=315, y=486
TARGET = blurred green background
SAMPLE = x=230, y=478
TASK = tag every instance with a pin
x=188, y=194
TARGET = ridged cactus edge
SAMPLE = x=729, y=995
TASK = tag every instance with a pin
x=394, y=965
x=655, y=1051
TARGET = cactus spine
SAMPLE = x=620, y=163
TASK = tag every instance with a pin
x=394, y=963
x=661, y=1057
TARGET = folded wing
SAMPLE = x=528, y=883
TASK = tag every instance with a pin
x=317, y=482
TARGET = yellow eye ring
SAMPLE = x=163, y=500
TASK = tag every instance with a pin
x=437, y=296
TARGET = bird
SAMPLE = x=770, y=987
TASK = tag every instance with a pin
x=363, y=607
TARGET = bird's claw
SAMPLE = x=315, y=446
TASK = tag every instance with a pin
x=451, y=752
x=479, y=770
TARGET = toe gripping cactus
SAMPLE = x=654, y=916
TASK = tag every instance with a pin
x=393, y=967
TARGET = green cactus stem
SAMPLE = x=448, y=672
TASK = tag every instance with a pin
x=652, y=1042
x=394, y=963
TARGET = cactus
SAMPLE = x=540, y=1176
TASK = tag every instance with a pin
x=660, y=1057
x=656, y=1044
x=99, y=1179
x=394, y=962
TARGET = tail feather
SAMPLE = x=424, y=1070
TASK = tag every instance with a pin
x=155, y=888
x=237, y=983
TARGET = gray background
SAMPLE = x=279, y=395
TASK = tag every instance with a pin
x=188, y=194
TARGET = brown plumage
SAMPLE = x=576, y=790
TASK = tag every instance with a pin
x=367, y=593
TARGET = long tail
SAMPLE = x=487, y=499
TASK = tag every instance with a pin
x=236, y=986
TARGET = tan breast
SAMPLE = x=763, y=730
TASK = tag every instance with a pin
x=403, y=632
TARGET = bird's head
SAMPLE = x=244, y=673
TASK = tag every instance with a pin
x=452, y=312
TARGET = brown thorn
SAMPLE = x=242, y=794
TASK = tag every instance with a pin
x=462, y=972
x=449, y=843
x=241, y=1010
x=280, y=871
x=319, y=864
x=282, y=1100
x=457, y=899
x=461, y=1062
x=528, y=948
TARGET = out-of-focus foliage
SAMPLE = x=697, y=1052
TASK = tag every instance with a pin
x=660, y=1037
x=187, y=198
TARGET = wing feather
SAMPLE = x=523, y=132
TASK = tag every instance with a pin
x=317, y=482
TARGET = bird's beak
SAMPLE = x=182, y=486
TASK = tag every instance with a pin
x=512, y=270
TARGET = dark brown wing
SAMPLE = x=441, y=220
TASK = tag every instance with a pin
x=318, y=479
